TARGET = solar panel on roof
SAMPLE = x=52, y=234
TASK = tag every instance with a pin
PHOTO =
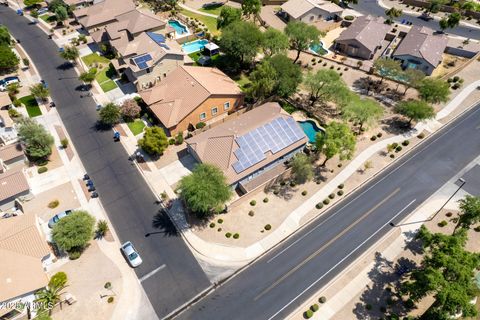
x=141, y=61
x=158, y=38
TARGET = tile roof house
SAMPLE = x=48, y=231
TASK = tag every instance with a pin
x=363, y=37
x=5, y=101
x=8, y=133
x=250, y=145
x=310, y=11
x=23, y=252
x=11, y=155
x=421, y=49
x=190, y=95
x=13, y=184
x=102, y=13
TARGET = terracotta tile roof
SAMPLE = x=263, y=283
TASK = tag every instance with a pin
x=11, y=151
x=217, y=145
x=297, y=8
x=22, y=249
x=184, y=89
x=420, y=42
x=5, y=118
x=367, y=30
x=103, y=12
x=5, y=99
x=12, y=183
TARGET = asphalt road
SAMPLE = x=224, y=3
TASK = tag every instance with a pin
x=129, y=202
x=372, y=7
x=276, y=284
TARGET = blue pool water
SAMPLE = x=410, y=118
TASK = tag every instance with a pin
x=194, y=46
x=310, y=129
x=318, y=49
x=179, y=28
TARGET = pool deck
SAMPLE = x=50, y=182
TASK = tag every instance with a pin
x=301, y=116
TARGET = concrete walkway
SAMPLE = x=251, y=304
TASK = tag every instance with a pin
x=197, y=11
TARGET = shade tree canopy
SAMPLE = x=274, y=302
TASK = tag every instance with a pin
x=433, y=90
x=38, y=142
x=154, y=141
x=415, y=110
x=241, y=41
x=302, y=36
x=338, y=139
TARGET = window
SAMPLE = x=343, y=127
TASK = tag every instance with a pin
x=203, y=115
x=214, y=111
x=226, y=105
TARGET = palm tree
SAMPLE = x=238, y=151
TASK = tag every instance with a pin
x=49, y=297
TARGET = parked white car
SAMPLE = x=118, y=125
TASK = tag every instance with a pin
x=131, y=254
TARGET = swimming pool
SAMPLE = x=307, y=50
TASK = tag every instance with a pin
x=179, y=28
x=311, y=129
x=194, y=46
x=318, y=49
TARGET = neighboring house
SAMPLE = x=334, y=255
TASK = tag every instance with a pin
x=13, y=184
x=190, y=95
x=5, y=101
x=363, y=37
x=250, y=147
x=23, y=255
x=102, y=13
x=421, y=49
x=310, y=11
x=8, y=133
x=11, y=156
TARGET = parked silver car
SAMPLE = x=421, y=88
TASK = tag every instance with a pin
x=131, y=254
x=57, y=218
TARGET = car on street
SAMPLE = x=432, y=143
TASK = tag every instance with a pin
x=42, y=10
x=131, y=254
x=54, y=220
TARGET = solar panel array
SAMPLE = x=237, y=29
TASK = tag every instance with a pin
x=159, y=39
x=141, y=61
x=273, y=136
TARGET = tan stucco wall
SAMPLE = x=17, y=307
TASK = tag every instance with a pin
x=214, y=101
x=164, y=67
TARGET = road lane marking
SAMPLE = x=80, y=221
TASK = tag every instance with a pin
x=341, y=261
x=427, y=144
x=326, y=245
x=151, y=273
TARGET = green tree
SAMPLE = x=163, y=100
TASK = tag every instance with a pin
x=5, y=39
x=13, y=89
x=302, y=169
x=433, y=90
x=48, y=297
x=363, y=112
x=130, y=109
x=88, y=77
x=470, y=212
x=393, y=13
x=73, y=232
x=154, y=141
x=39, y=91
x=274, y=41
x=412, y=78
x=288, y=75
x=415, y=110
x=55, y=4
x=31, y=3
x=227, y=16
x=34, y=13
x=38, y=142
x=241, y=41
x=109, y=114
x=61, y=14
x=443, y=24
x=338, y=139
x=205, y=190
x=263, y=80
x=302, y=36
x=434, y=6
x=324, y=85
x=251, y=7
x=59, y=279
x=70, y=53
x=447, y=273
x=8, y=60
x=386, y=67
x=453, y=19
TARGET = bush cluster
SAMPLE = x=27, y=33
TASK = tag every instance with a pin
x=228, y=234
x=253, y=203
x=251, y=213
x=326, y=201
x=304, y=192
x=268, y=227
x=265, y=200
x=340, y=193
x=405, y=143
x=53, y=204
x=220, y=221
x=442, y=223
x=236, y=236
x=42, y=170
x=322, y=299
x=341, y=186
x=319, y=205
x=421, y=135
x=212, y=225
x=331, y=195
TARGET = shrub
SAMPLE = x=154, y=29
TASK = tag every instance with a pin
x=398, y=149
x=220, y=221
x=324, y=64
x=53, y=204
x=339, y=165
x=477, y=229
x=110, y=300
x=59, y=279
x=340, y=193
x=394, y=145
x=276, y=192
x=265, y=200
x=74, y=255
x=421, y=135
x=253, y=203
x=456, y=86
x=212, y=225
x=251, y=213
x=332, y=67
x=322, y=299
x=102, y=228
x=368, y=306
x=282, y=183
x=268, y=227
x=64, y=143
x=314, y=307
x=346, y=69
x=349, y=18
x=292, y=184
x=308, y=314
x=13, y=113
x=456, y=78
x=409, y=303
x=200, y=125
x=236, y=236
x=171, y=141
x=319, y=205
x=219, y=229
x=331, y=195
x=449, y=214
x=450, y=80
x=405, y=143
x=179, y=139
x=392, y=156
x=379, y=135
x=442, y=223
x=42, y=170
x=228, y=234
x=304, y=192
x=373, y=138
x=341, y=186
x=326, y=201
x=318, y=182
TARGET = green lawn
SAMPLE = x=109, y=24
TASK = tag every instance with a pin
x=48, y=18
x=108, y=85
x=215, y=9
x=136, y=126
x=94, y=58
x=210, y=22
x=104, y=78
x=243, y=81
x=31, y=105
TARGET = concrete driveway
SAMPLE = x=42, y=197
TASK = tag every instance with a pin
x=178, y=169
x=268, y=15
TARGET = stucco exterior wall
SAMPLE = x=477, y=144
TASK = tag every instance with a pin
x=316, y=14
x=347, y=47
x=422, y=65
x=168, y=63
